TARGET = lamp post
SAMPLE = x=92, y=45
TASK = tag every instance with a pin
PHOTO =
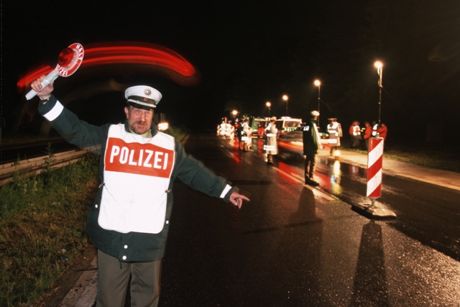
x=317, y=83
x=268, y=104
x=234, y=113
x=286, y=99
x=379, y=66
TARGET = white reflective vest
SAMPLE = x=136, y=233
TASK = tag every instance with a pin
x=375, y=133
x=356, y=130
x=334, y=129
x=271, y=146
x=137, y=174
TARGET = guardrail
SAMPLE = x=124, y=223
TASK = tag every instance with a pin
x=35, y=166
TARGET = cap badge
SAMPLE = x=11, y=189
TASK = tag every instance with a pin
x=147, y=92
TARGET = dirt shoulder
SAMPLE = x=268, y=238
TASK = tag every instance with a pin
x=69, y=278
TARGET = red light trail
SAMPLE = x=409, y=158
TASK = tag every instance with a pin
x=113, y=53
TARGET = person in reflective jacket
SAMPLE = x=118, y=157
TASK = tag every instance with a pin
x=130, y=218
x=355, y=134
x=334, y=128
x=271, y=143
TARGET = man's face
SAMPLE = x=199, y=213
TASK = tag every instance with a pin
x=139, y=120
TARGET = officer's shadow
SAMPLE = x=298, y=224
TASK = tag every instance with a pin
x=370, y=284
x=300, y=251
x=306, y=210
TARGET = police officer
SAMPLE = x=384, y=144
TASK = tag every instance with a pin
x=311, y=143
x=237, y=130
x=129, y=220
x=246, y=135
x=382, y=130
x=271, y=144
x=221, y=129
x=355, y=133
x=375, y=127
x=367, y=133
x=335, y=133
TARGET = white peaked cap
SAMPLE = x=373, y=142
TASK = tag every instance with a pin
x=143, y=96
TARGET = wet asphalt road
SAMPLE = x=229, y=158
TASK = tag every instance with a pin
x=297, y=246
x=426, y=212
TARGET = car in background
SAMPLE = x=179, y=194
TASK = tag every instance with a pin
x=258, y=125
x=287, y=124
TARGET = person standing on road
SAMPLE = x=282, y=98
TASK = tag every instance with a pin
x=222, y=127
x=238, y=129
x=260, y=130
x=271, y=144
x=311, y=142
x=246, y=138
x=382, y=131
x=335, y=133
x=375, y=126
x=367, y=133
x=130, y=218
x=355, y=133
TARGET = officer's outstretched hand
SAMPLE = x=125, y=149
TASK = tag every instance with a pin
x=42, y=92
x=237, y=199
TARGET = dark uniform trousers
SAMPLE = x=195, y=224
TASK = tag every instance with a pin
x=114, y=275
x=309, y=165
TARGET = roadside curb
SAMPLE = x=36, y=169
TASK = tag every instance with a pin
x=443, y=178
x=83, y=294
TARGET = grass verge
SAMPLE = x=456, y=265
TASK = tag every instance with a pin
x=42, y=223
x=446, y=160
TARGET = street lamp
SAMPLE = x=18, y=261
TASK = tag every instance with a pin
x=317, y=83
x=379, y=66
x=234, y=113
x=268, y=104
x=286, y=99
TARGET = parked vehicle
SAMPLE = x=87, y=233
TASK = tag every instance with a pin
x=288, y=124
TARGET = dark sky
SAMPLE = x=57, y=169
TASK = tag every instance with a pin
x=250, y=52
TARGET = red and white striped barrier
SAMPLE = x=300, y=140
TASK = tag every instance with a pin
x=374, y=168
x=374, y=182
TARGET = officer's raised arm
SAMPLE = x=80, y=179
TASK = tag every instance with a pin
x=43, y=93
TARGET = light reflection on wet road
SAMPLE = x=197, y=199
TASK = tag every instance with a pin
x=293, y=245
x=427, y=212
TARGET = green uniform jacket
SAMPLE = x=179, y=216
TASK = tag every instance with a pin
x=133, y=246
x=310, y=138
